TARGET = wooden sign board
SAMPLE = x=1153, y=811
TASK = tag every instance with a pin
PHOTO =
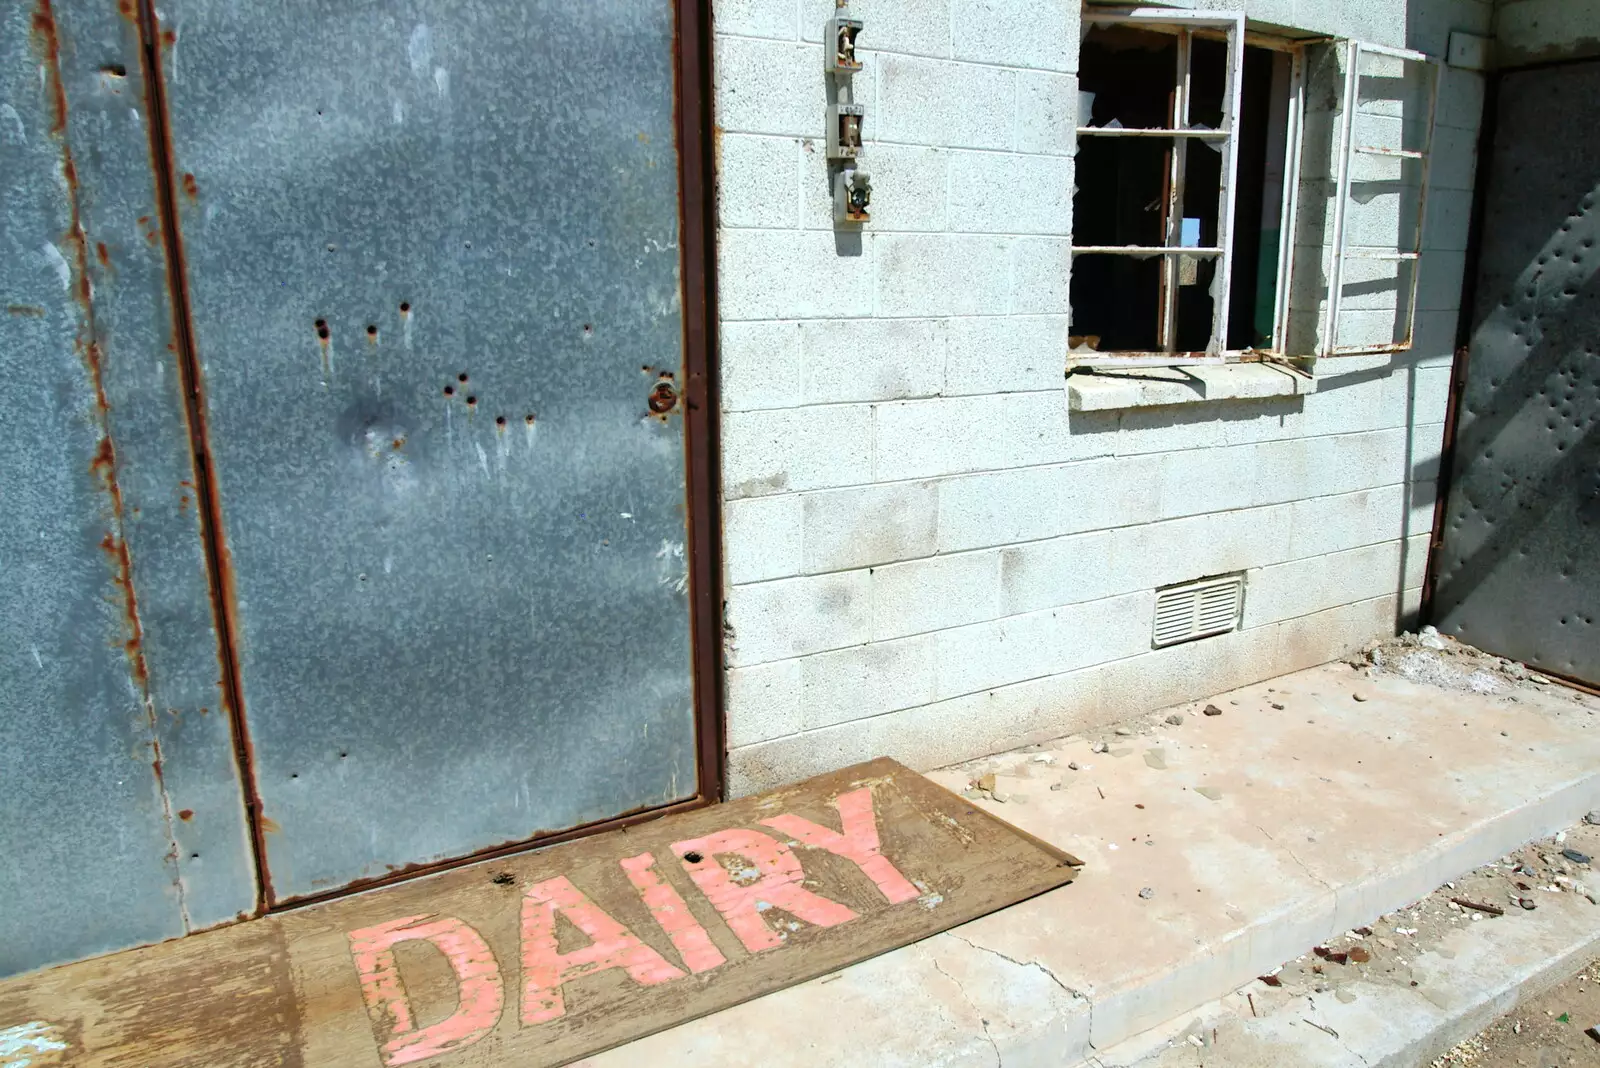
x=550, y=956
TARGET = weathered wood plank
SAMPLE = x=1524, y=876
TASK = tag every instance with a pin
x=547, y=957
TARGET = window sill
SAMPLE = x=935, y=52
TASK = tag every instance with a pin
x=1108, y=389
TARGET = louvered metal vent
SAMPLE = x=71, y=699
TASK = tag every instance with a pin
x=1198, y=609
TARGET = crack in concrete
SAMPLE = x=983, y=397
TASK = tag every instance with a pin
x=999, y=1061
x=1021, y=964
x=1313, y=876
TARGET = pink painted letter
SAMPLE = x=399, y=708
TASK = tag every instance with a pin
x=481, y=995
x=670, y=911
x=769, y=878
x=858, y=844
x=545, y=968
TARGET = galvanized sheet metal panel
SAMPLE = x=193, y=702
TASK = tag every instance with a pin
x=405, y=223
x=1519, y=568
x=120, y=813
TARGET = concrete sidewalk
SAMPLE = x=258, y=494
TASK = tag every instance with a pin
x=1215, y=850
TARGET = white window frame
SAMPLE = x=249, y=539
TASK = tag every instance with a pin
x=1233, y=25
x=1328, y=344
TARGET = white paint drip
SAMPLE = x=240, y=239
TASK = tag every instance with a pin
x=405, y=326
x=419, y=50
x=37, y=659
x=529, y=432
x=441, y=81
x=399, y=113
x=19, y=1044
x=16, y=133
x=502, y=451
x=625, y=515
x=59, y=263
x=483, y=459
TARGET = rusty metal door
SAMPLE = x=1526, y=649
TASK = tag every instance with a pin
x=1518, y=569
x=121, y=812
x=433, y=283
x=358, y=446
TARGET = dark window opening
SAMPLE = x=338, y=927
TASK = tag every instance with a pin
x=1124, y=193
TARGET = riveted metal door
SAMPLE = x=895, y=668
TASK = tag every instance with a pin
x=434, y=292
x=1518, y=570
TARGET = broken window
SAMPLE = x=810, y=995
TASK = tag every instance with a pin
x=1190, y=176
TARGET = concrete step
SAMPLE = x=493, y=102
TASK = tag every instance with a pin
x=1420, y=993
x=1216, y=850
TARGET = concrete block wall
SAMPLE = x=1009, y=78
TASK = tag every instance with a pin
x=926, y=555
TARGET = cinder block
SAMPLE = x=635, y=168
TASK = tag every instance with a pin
x=934, y=593
x=1006, y=507
x=760, y=364
x=758, y=181
x=1423, y=497
x=930, y=735
x=1047, y=574
x=1301, y=587
x=1461, y=99
x=1207, y=480
x=1331, y=524
x=1449, y=218
x=1144, y=557
x=770, y=87
x=869, y=525
x=758, y=18
x=1414, y=561
x=871, y=359
x=763, y=702
x=1323, y=636
x=1041, y=34
x=1309, y=467
x=761, y=538
x=1196, y=547
x=1430, y=393
x=920, y=29
x=1041, y=275
x=1000, y=192
x=942, y=274
x=952, y=435
x=941, y=102
x=909, y=187
x=867, y=680
x=808, y=448
x=1439, y=283
x=790, y=274
x=1427, y=442
x=1047, y=113
x=1049, y=642
x=793, y=617
x=1005, y=354
x=1177, y=673
x=1454, y=159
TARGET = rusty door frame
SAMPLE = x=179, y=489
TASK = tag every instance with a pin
x=699, y=406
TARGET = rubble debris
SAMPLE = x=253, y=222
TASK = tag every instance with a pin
x=1440, y=660
x=1210, y=793
x=1575, y=856
x=1156, y=758
x=1147, y=893
x=1211, y=710
x=1176, y=719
